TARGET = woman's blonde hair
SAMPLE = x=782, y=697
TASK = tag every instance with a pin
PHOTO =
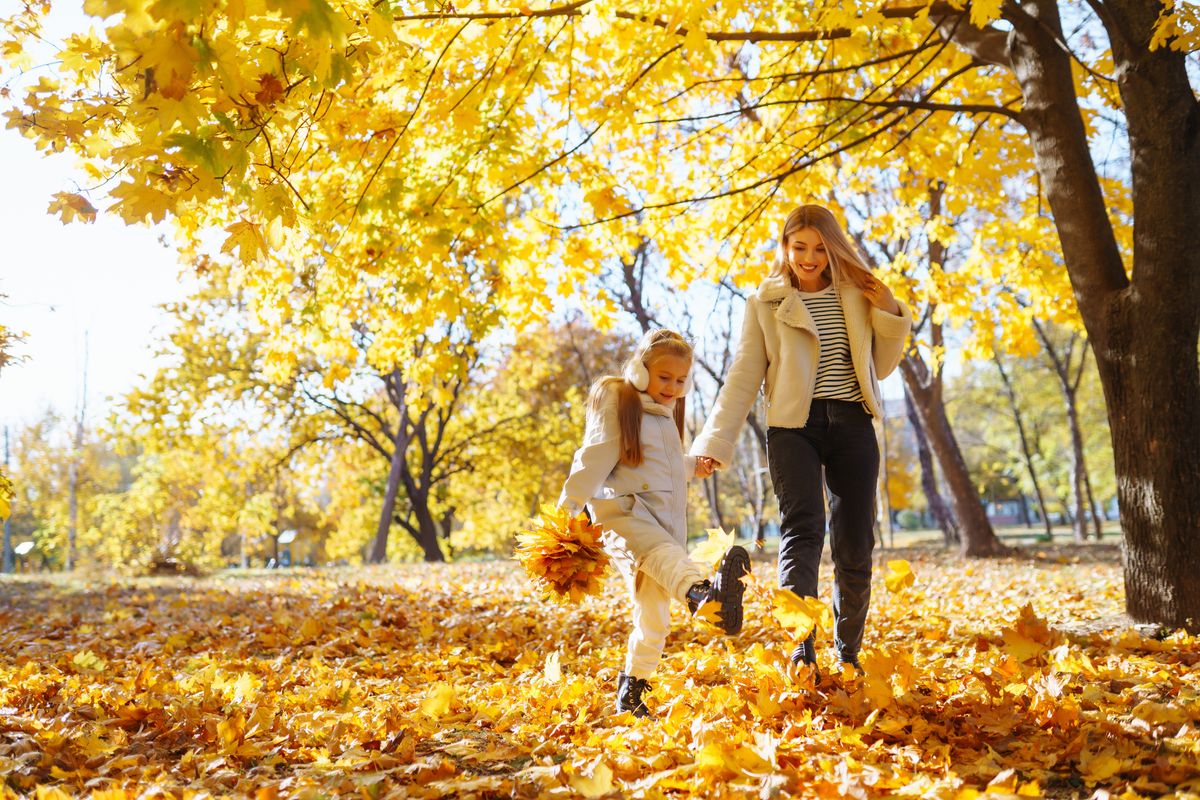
x=653, y=345
x=845, y=261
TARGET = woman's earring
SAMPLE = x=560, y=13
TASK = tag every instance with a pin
x=637, y=374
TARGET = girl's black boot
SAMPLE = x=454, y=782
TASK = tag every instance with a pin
x=629, y=694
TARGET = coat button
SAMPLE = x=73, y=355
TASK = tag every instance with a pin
x=645, y=486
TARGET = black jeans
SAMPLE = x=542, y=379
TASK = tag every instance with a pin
x=839, y=436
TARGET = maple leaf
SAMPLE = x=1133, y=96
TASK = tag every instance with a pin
x=899, y=576
x=800, y=615
x=713, y=549
x=438, y=700
x=595, y=781
x=68, y=206
x=88, y=661
x=245, y=237
x=270, y=89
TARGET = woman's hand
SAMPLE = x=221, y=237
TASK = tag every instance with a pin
x=705, y=466
x=880, y=296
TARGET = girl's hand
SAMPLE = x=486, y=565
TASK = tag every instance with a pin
x=704, y=466
x=880, y=296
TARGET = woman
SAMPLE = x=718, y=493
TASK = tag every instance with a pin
x=818, y=334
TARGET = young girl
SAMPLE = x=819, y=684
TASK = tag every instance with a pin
x=818, y=334
x=632, y=472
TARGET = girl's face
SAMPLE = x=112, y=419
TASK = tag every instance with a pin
x=668, y=374
x=807, y=259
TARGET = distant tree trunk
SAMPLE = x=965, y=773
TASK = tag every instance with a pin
x=925, y=386
x=426, y=533
x=884, y=479
x=941, y=512
x=1097, y=519
x=712, y=493
x=72, y=509
x=978, y=538
x=399, y=446
x=73, y=469
x=1068, y=384
x=1026, y=448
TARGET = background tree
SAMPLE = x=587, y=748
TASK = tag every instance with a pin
x=46, y=463
x=335, y=134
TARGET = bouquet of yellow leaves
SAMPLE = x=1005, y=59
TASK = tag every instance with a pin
x=563, y=554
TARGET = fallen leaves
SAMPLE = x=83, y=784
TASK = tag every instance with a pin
x=462, y=680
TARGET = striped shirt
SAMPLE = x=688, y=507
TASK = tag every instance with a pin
x=835, y=371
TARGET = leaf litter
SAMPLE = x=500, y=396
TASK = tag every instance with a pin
x=980, y=678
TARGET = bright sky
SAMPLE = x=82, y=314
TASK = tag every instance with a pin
x=64, y=282
x=67, y=281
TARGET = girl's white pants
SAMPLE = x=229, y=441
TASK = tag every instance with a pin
x=655, y=565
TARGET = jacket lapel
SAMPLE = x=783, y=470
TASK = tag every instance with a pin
x=791, y=310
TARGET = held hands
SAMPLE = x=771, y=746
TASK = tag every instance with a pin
x=705, y=466
x=880, y=296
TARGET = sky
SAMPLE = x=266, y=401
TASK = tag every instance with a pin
x=101, y=282
x=63, y=283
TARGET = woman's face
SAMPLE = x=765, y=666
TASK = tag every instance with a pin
x=668, y=375
x=807, y=259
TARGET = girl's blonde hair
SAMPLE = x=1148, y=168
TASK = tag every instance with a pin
x=845, y=261
x=653, y=345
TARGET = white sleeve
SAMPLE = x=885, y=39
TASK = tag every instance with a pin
x=597, y=458
x=736, y=398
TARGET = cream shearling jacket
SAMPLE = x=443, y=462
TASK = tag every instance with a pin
x=597, y=471
x=779, y=350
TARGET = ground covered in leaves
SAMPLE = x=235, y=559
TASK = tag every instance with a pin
x=1015, y=676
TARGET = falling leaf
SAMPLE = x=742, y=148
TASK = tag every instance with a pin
x=899, y=576
x=800, y=615
x=713, y=549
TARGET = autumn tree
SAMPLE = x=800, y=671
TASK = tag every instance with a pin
x=47, y=461
x=328, y=142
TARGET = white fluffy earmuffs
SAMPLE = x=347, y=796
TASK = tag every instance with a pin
x=637, y=374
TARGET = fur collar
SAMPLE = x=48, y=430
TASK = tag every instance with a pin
x=650, y=406
x=791, y=310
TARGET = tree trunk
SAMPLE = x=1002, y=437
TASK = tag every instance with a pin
x=978, y=538
x=713, y=495
x=72, y=508
x=1026, y=448
x=1097, y=517
x=1145, y=330
x=933, y=498
x=1078, y=474
x=379, y=547
x=427, y=528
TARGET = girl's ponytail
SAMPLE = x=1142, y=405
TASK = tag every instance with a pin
x=629, y=414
